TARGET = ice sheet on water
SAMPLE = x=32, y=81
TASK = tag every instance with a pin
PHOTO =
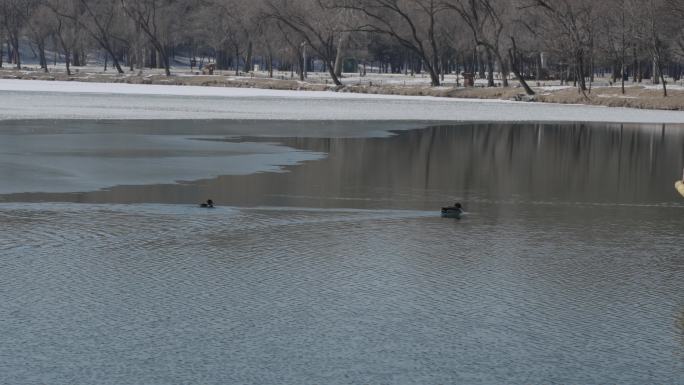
x=72, y=100
x=87, y=162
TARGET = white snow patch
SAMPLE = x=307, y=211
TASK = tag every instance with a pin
x=15, y=85
x=553, y=88
x=24, y=99
x=617, y=96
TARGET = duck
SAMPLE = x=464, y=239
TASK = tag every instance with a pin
x=208, y=205
x=454, y=211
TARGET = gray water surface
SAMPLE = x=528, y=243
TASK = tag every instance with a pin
x=568, y=267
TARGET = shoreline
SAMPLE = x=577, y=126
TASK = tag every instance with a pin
x=76, y=100
x=638, y=96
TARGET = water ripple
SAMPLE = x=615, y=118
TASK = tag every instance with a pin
x=162, y=294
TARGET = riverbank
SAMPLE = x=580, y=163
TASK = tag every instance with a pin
x=58, y=100
x=640, y=96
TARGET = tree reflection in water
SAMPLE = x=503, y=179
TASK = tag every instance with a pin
x=422, y=168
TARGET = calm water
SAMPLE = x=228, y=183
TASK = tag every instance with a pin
x=336, y=268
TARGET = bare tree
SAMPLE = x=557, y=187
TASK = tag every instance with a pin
x=566, y=39
x=313, y=24
x=572, y=20
x=98, y=18
x=514, y=56
x=485, y=19
x=294, y=49
x=12, y=21
x=412, y=23
x=221, y=22
x=66, y=28
x=344, y=19
x=615, y=33
x=677, y=27
x=2, y=43
x=156, y=19
x=653, y=35
x=39, y=24
x=268, y=36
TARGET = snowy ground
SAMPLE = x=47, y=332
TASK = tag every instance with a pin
x=74, y=100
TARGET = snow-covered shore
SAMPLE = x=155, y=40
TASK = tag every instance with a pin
x=22, y=99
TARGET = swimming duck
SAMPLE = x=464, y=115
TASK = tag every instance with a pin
x=208, y=205
x=454, y=211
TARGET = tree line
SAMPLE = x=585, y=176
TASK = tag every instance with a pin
x=529, y=40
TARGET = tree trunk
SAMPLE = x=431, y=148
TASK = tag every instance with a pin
x=305, y=63
x=331, y=70
x=480, y=66
x=160, y=58
x=579, y=71
x=341, y=51
x=221, y=59
x=167, y=63
x=434, y=77
x=300, y=62
x=490, y=69
x=116, y=64
x=76, y=59
x=591, y=66
x=237, y=61
x=248, y=60
x=163, y=58
x=513, y=57
x=107, y=46
x=503, y=65
x=442, y=69
x=67, y=54
x=622, y=74
x=406, y=63
x=152, y=57
x=41, y=54
x=17, y=54
x=662, y=76
x=140, y=55
x=67, y=60
x=591, y=71
x=433, y=68
x=522, y=81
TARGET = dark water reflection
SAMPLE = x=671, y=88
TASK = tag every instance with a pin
x=614, y=164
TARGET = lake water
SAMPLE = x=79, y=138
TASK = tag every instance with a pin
x=327, y=261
